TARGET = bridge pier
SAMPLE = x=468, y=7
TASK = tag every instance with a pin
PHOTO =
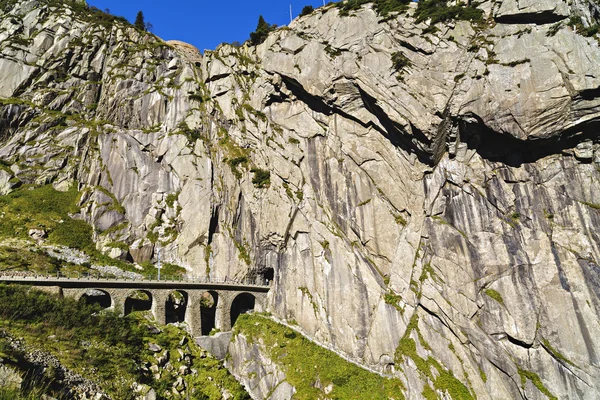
x=193, y=313
x=223, y=311
x=159, y=305
x=117, y=302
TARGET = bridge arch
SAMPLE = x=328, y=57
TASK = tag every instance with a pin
x=97, y=296
x=241, y=304
x=175, y=306
x=138, y=300
x=208, y=311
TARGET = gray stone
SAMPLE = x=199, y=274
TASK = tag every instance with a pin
x=216, y=345
x=37, y=234
x=154, y=347
x=585, y=151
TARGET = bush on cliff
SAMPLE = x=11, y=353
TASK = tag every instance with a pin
x=440, y=11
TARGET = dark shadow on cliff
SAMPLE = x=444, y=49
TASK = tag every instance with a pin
x=391, y=130
x=504, y=148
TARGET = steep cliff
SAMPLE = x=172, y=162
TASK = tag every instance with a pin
x=425, y=195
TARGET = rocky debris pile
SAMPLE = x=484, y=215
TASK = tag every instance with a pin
x=39, y=367
x=175, y=366
x=77, y=257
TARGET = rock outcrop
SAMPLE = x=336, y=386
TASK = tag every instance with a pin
x=409, y=186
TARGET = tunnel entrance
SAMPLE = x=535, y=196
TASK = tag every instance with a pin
x=140, y=300
x=208, y=311
x=97, y=297
x=243, y=303
x=268, y=275
x=175, y=307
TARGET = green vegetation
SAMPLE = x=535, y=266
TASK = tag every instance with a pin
x=262, y=178
x=350, y=5
x=555, y=353
x=88, y=13
x=48, y=209
x=387, y=7
x=394, y=300
x=482, y=375
x=172, y=270
x=591, y=205
x=243, y=253
x=45, y=208
x=400, y=61
x=304, y=362
x=16, y=256
x=576, y=23
x=140, y=23
x=262, y=31
x=191, y=134
x=443, y=380
x=440, y=11
x=307, y=10
x=494, y=295
x=171, y=199
x=537, y=382
x=102, y=345
x=383, y=7
x=237, y=161
x=333, y=52
x=236, y=155
x=400, y=220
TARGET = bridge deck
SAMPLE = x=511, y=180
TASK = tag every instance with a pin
x=132, y=283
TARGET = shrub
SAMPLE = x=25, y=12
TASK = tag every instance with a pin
x=385, y=7
x=439, y=11
x=262, y=31
x=262, y=178
x=399, y=61
x=307, y=10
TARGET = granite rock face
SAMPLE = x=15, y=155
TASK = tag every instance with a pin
x=451, y=201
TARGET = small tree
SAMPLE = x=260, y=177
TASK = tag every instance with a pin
x=307, y=10
x=261, y=32
x=139, y=21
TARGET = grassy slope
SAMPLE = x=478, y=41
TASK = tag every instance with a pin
x=43, y=207
x=304, y=362
x=102, y=346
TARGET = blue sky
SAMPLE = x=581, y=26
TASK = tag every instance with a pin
x=204, y=23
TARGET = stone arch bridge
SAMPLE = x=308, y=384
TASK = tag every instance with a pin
x=201, y=305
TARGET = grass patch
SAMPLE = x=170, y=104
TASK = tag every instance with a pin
x=48, y=209
x=444, y=380
x=394, y=300
x=537, y=382
x=555, y=353
x=591, y=205
x=45, y=208
x=304, y=362
x=494, y=295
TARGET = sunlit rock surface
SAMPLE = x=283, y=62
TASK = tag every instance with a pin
x=460, y=192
